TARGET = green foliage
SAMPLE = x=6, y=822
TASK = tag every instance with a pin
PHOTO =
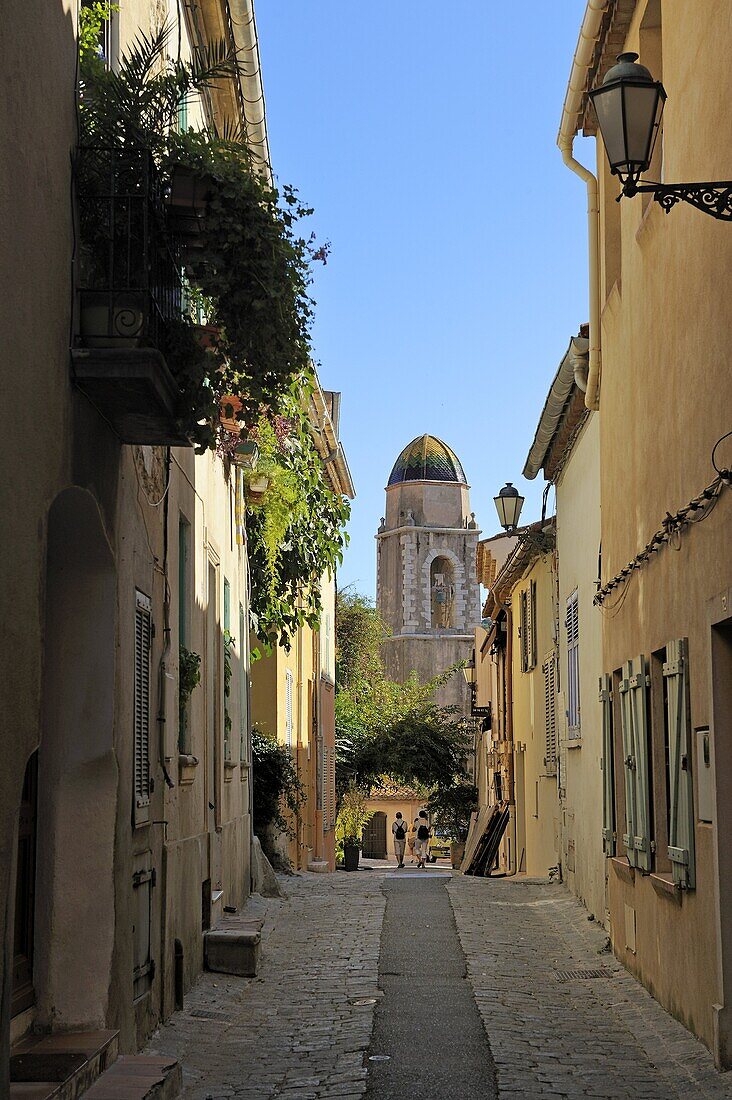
x=353, y=816
x=276, y=787
x=360, y=631
x=451, y=808
x=285, y=577
x=228, y=646
x=384, y=728
x=189, y=674
x=92, y=18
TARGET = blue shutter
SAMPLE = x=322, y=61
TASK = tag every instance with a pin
x=681, y=799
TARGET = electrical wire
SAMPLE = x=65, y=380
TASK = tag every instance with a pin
x=669, y=534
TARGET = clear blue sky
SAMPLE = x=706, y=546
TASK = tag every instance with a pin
x=424, y=134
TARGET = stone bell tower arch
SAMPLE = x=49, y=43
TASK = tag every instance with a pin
x=426, y=584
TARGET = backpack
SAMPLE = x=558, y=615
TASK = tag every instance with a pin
x=400, y=831
x=423, y=833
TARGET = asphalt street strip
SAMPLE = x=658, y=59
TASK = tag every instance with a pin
x=428, y=1039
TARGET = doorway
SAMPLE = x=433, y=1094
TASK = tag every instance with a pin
x=374, y=837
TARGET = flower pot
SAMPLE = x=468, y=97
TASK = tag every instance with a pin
x=111, y=319
x=230, y=406
x=351, y=853
x=256, y=488
x=457, y=851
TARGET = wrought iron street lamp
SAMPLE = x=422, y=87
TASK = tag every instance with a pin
x=629, y=104
x=508, y=505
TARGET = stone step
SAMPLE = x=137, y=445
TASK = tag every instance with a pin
x=233, y=946
x=60, y=1066
x=138, y=1077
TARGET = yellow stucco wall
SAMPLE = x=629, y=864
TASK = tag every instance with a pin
x=666, y=392
x=537, y=805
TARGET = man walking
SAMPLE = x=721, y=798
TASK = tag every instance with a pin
x=423, y=838
x=399, y=832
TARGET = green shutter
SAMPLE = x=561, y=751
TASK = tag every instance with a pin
x=681, y=799
x=608, y=767
x=634, y=708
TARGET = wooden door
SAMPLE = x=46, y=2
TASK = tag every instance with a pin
x=374, y=837
x=23, y=995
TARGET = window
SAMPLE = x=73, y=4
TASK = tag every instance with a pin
x=527, y=627
x=550, y=716
x=141, y=708
x=571, y=623
x=288, y=708
x=108, y=38
x=184, y=543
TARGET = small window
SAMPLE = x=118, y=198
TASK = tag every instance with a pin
x=141, y=708
x=571, y=623
x=527, y=627
x=288, y=708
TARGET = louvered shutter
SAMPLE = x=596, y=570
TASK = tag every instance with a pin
x=608, y=768
x=524, y=629
x=573, y=687
x=243, y=687
x=532, y=646
x=550, y=716
x=635, y=745
x=681, y=799
x=626, y=723
x=288, y=707
x=141, y=709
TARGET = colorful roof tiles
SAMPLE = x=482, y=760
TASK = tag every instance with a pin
x=427, y=459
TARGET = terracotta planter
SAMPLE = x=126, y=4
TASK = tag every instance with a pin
x=230, y=405
x=457, y=851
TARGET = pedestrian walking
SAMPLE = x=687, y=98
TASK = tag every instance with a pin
x=422, y=845
x=399, y=832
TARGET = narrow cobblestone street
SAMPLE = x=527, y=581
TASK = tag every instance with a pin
x=305, y=1028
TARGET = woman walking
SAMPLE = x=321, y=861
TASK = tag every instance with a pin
x=422, y=844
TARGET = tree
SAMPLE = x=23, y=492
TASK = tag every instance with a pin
x=452, y=806
x=384, y=727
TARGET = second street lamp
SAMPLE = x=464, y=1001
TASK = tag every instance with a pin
x=629, y=104
x=508, y=505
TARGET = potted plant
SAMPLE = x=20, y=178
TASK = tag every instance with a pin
x=352, y=817
x=451, y=808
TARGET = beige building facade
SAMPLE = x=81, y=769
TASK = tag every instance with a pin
x=121, y=834
x=657, y=376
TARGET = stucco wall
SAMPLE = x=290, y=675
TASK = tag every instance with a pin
x=578, y=547
x=665, y=399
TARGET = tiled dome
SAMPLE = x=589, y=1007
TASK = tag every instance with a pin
x=427, y=459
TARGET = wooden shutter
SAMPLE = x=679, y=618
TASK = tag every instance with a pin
x=243, y=688
x=608, y=767
x=634, y=714
x=550, y=716
x=288, y=707
x=681, y=798
x=141, y=708
x=571, y=623
x=524, y=630
x=531, y=626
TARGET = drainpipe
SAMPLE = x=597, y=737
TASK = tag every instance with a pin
x=589, y=34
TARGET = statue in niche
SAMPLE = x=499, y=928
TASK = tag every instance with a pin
x=409, y=518
x=443, y=596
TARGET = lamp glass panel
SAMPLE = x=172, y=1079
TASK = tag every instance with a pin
x=608, y=104
x=641, y=104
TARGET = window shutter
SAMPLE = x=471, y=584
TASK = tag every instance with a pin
x=681, y=799
x=573, y=686
x=288, y=707
x=550, y=715
x=608, y=767
x=524, y=630
x=141, y=708
x=634, y=712
x=531, y=642
x=243, y=688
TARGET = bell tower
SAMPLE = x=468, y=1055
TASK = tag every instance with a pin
x=426, y=585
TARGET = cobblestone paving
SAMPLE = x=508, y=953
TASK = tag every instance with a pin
x=294, y=1031
x=604, y=1037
